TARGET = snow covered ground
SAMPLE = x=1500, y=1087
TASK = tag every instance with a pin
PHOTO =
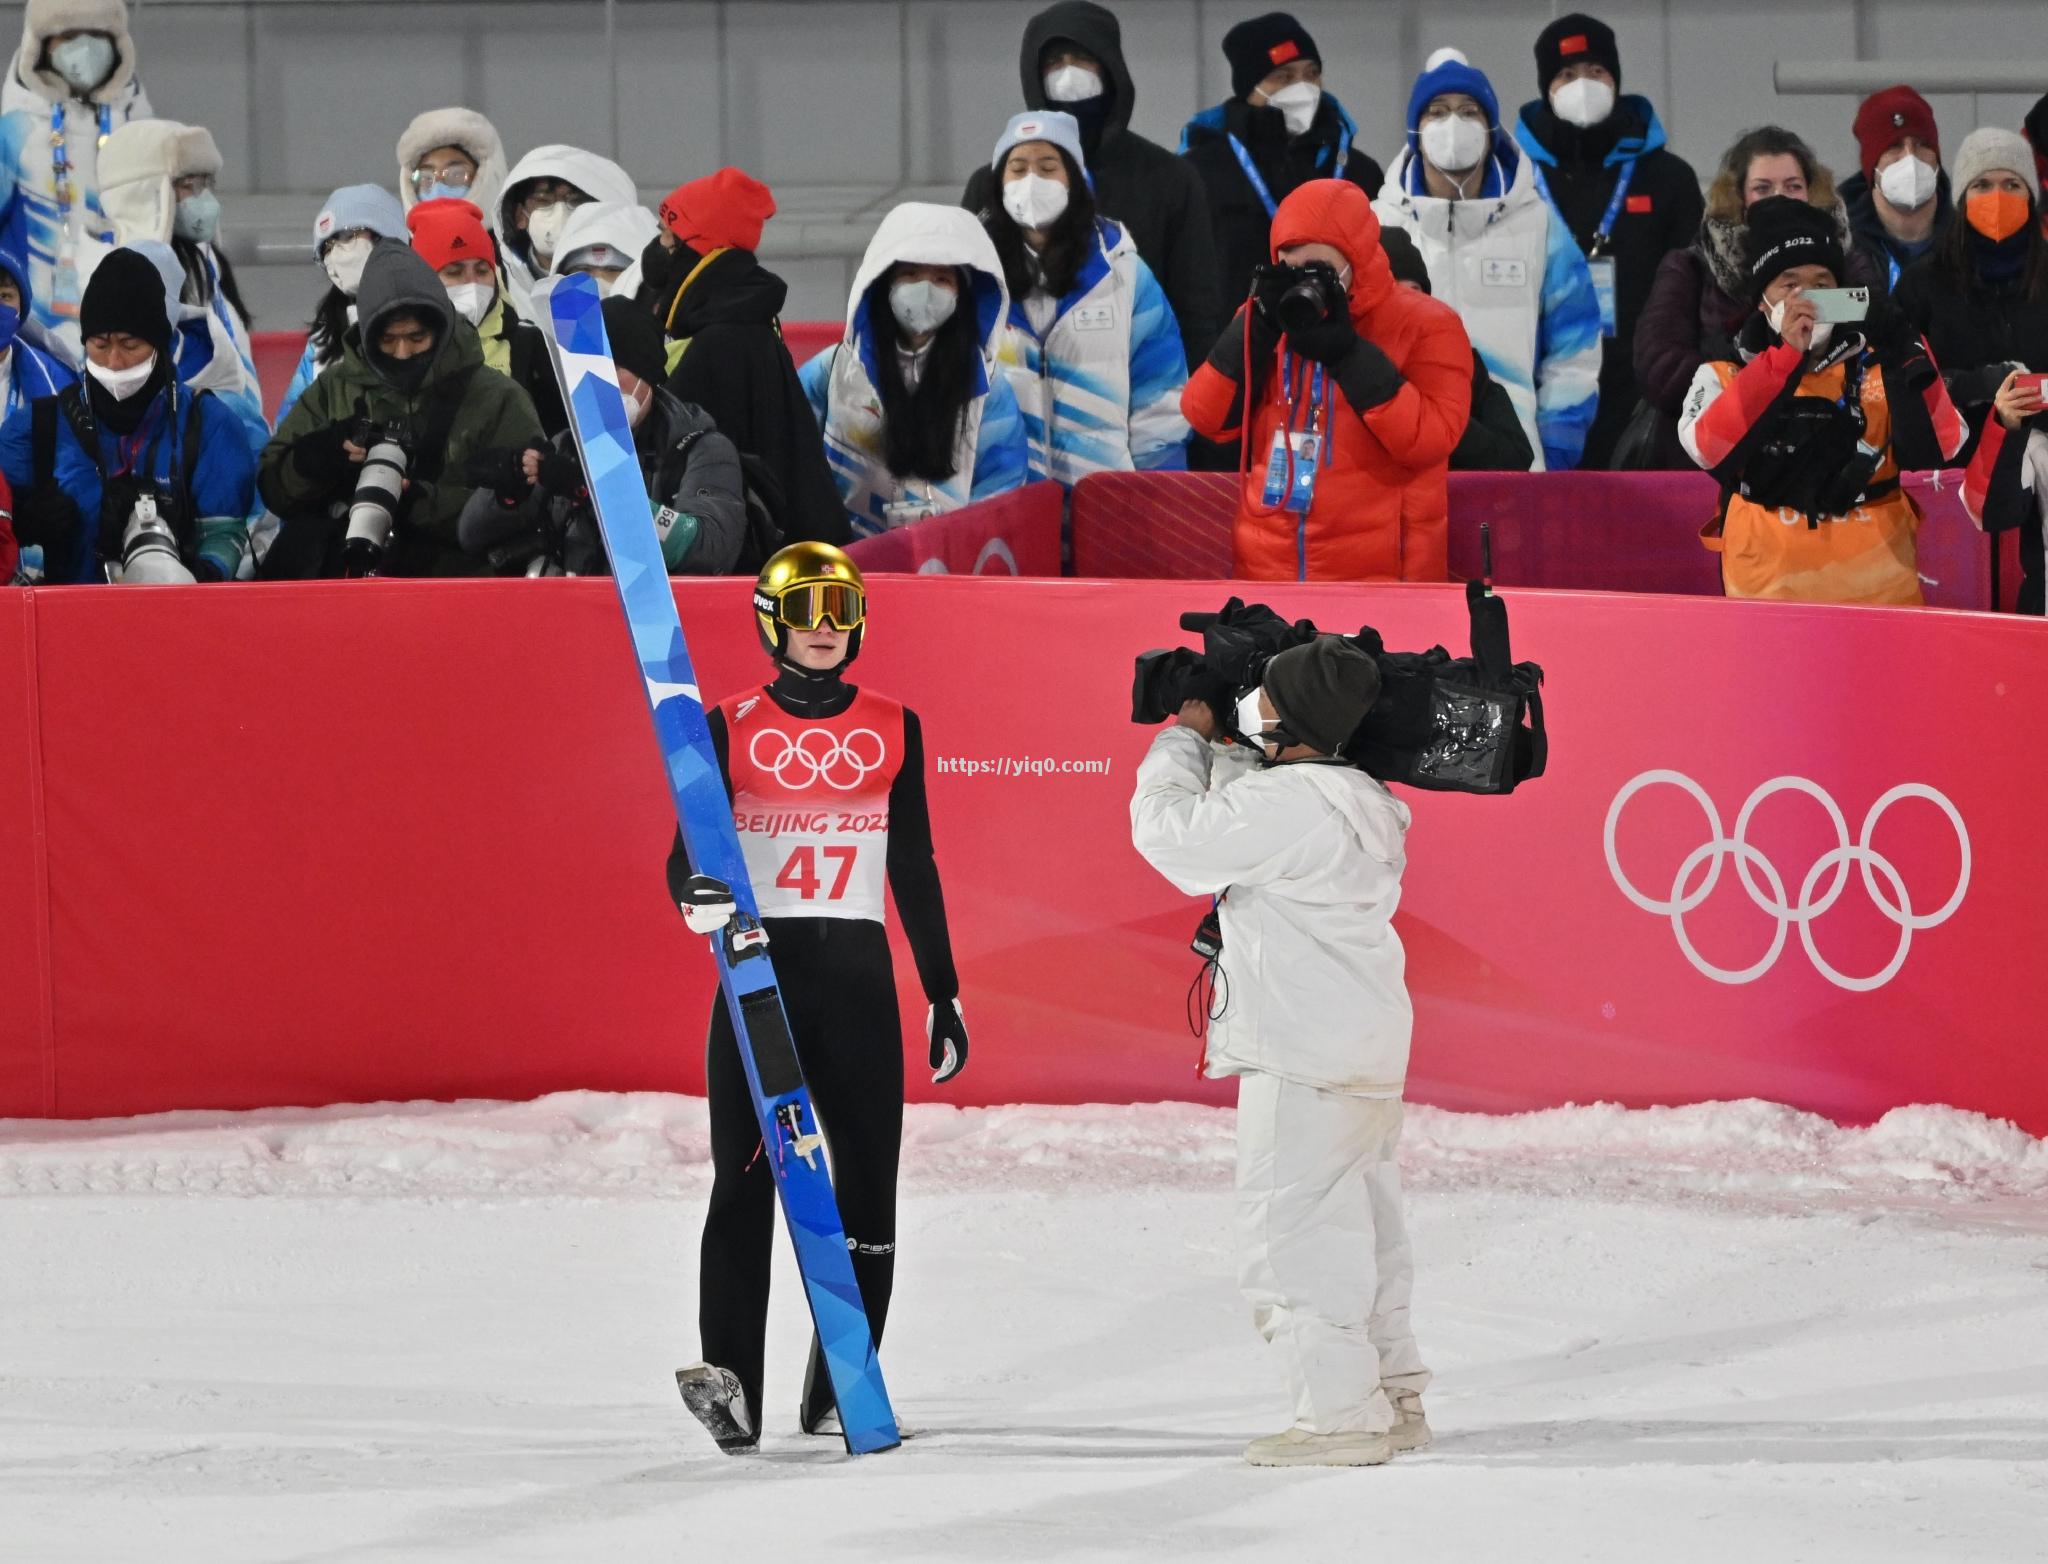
x=1728, y=1333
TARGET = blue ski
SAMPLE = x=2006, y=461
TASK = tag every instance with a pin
x=571, y=318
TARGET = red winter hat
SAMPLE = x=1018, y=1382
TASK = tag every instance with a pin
x=721, y=211
x=1888, y=118
x=446, y=230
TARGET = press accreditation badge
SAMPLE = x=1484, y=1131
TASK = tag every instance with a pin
x=1293, y=491
x=1602, y=268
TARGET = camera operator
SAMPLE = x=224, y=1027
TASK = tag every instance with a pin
x=1358, y=391
x=129, y=475
x=413, y=388
x=532, y=516
x=1807, y=432
x=1303, y=854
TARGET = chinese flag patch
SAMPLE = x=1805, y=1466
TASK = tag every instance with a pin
x=1576, y=44
x=1282, y=52
x=1639, y=203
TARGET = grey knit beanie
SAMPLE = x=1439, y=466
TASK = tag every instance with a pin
x=1321, y=691
x=1991, y=147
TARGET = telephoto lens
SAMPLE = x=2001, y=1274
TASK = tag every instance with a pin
x=372, y=507
x=149, y=549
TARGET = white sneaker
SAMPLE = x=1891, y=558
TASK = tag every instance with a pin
x=1411, y=1428
x=1298, y=1447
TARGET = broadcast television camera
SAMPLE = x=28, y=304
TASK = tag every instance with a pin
x=1457, y=725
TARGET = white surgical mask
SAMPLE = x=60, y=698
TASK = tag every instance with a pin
x=637, y=407
x=1072, y=84
x=84, y=62
x=1251, y=722
x=922, y=306
x=1034, y=201
x=1908, y=183
x=544, y=228
x=1297, y=104
x=1583, y=101
x=472, y=300
x=1774, y=316
x=1455, y=145
x=344, y=263
x=121, y=384
x=198, y=218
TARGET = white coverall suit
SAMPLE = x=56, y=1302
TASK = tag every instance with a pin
x=1307, y=857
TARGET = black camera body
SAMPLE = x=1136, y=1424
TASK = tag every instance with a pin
x=1294, y=298
x=1452, y=725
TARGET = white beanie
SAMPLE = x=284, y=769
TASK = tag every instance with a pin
x=1989, y=148
x=1062, y=130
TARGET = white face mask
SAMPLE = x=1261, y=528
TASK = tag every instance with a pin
x=1034, y=201
x=1251, y=722
x=544, y=227
x=1455, y=145
x=1072, y=84
x=83, y=62
x=637, y=407
x=1774, y=317
x=1297, y=104
x=1582, y=102
x=1908, y=183
x=121, y=384
x=472, y=300
x=344, y=263
x=922, y=306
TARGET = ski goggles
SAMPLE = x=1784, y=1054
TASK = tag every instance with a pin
x=813, y=605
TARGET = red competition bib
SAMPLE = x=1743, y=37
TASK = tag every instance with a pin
x=810, y=799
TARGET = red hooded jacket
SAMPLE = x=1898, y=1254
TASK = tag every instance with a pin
x=1379, y=506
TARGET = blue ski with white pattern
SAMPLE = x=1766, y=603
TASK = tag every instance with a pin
x=571, y=318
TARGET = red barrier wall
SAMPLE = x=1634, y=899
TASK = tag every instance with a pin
x=381, y=840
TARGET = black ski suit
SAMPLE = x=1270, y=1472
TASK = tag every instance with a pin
x=838, y=988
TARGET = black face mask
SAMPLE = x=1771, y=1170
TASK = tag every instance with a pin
x=663, y=268
x=405, y=376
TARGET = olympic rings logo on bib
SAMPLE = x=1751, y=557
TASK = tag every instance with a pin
x=818, y=755
x=1881, y=878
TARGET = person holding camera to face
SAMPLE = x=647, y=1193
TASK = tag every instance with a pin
x=369, y=473
x=129, y=475
x=1807, y=428
x=1350, y=393
x=1303, y=854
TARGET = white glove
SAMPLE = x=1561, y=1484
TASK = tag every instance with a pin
x=706, y=904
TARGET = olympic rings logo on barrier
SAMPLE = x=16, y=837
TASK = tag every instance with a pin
x=1871, y=864
x=820, y=755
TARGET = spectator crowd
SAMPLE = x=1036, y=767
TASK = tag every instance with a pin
x=1541, y=289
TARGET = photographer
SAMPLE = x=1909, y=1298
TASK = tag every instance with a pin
x=1358, y=391
x=413, y=386
x=128, y=475
x=1303, y=854
x=533, y=516
x=1807, y=429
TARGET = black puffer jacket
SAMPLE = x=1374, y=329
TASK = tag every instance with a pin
x=1138, y=183
x=1237, y=216
x=735, y=367
x=1976, y=332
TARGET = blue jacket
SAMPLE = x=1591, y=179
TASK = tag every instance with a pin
x=223, y=481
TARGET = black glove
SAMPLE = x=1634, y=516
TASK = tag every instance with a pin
x=706, y=904
x=45, y=515
x=1328, y=340
x=502, y=471
x=947, y=1030
x=1978, y=387
x=560, y=473
x=1228, y=355
x=319, y=456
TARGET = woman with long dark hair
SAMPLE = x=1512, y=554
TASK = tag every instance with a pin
x=918, y=419
x=1092, y=351
x=350, y=223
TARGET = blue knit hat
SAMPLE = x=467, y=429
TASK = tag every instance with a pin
x=1449, y=71
x=360, y=206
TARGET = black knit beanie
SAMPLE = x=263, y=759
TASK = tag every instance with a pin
x=1407, y=261
x=126, y=294
x=1785, y=232
x=1259, y=47
x=1321, y=691
x=1576, y=39
x=636, y=337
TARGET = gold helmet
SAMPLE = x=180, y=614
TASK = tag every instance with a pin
x=804, y=587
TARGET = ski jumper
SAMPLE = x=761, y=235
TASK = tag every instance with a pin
x=827, y=784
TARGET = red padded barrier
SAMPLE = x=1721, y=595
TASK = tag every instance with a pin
x=24, y=921
x=1014, y=534
x=390, y=839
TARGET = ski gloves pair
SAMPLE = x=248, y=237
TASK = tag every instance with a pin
x=707, y=907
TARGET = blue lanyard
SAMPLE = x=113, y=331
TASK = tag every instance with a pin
x=1258, y=184
x=1893, y=261
x=1600, y=235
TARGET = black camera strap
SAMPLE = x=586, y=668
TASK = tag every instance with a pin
x=71, y=403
